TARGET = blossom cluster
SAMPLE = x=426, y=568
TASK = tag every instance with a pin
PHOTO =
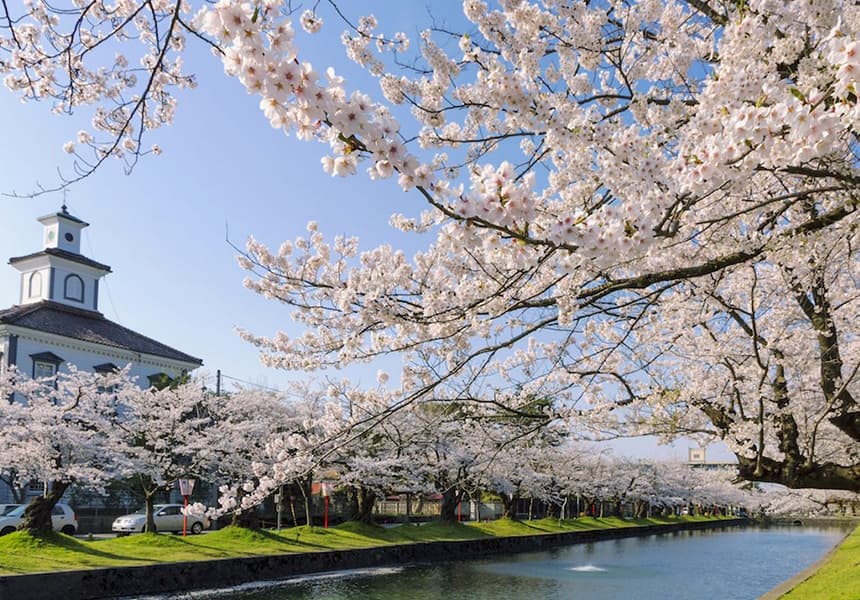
x=251, y=443
x=685, y=155
x=647, y=210
x=41, y=61
x=263, y=55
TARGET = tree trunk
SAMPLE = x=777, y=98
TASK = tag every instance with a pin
x=509, y=506
x=149, y=500
x=241, y=517
x=305, y=486
x=352, y=503
x=37, y=516
x=408, y=508
x=366, y=500
x=448, y=506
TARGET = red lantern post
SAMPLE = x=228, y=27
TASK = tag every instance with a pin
x=324, y=489
x=186, y=486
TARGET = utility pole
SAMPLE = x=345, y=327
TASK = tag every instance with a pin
x=218, y=382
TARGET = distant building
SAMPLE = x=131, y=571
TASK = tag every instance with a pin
x=696, y=459
x=696, y=456
x=56, y=322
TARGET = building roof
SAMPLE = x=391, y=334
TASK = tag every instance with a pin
x=87, y=326
x=64, y=213
x=83, y=260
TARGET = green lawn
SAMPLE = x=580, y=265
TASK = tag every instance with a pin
x=22, y=553
x=507, y=528
x=837, y=579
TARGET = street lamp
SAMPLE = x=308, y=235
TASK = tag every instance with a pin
x=186, y=486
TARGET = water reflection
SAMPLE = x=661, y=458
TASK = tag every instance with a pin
x=728, y=564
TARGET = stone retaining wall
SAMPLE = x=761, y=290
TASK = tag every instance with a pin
x=210, y=574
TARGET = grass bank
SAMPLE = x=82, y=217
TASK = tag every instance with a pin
x=21, y=552
x=837, y=579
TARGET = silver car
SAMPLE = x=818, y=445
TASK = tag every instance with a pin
x=168, y=517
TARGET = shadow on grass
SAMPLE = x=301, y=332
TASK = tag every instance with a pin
x=21, y=542
x=368, y=530
x=512, y=527
x=438, y=532
x=261, y=541
x=238, y=541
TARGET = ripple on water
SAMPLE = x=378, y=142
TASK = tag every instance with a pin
x=587, y=569
x=267, y=585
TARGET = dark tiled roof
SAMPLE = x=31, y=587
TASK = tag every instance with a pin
x=82, y=260
x=87, y=326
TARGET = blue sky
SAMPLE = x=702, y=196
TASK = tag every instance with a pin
x=163, y=228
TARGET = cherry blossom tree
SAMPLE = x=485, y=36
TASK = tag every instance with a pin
x=243, y=423
x=162, y=437
x=458, y=448
x=517, y=450
x=379, y=461
x=644, y=210
x=698, y=197
x=59, y=431
x=303, y=436
x=513, y=476
x=780, y=501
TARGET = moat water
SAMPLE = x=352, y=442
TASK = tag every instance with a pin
x=727, y=564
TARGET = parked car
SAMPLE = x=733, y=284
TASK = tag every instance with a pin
x=168, y=517
x=63, y=519
x=7, y=508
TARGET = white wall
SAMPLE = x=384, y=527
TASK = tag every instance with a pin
x=25, y=286
x=60, y=274
x=86, y=358
x=50, y=241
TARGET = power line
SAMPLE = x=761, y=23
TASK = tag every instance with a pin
x=257, y=385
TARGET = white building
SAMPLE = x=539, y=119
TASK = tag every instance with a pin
x=57, y=323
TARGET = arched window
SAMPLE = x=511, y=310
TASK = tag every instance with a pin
x=34, y=290
x=73, y=289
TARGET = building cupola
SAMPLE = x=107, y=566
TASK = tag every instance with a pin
x=62, y=231
x=59, y=272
